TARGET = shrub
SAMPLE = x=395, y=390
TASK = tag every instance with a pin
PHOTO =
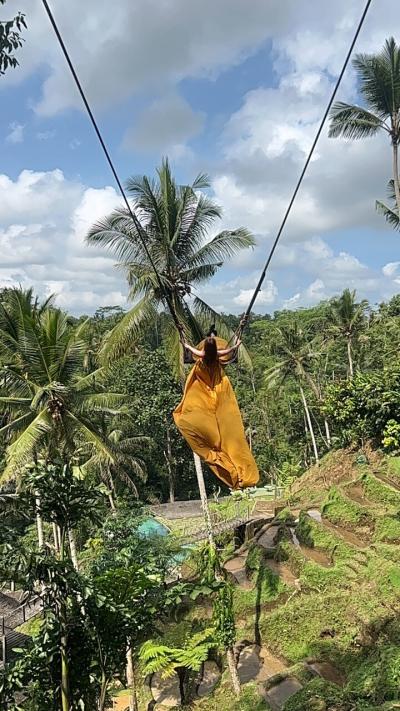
x=361, y=408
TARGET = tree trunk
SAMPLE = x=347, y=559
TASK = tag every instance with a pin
x=396, y=173
x=103, y=692
x=169, y=461
x=309, y=423
x=350, y=357
x=233, y=671
x=56, y=538
x=203, y=498
x=72, y=549
x=328, y=433
x=112, y=496
x=39, y=522
x=65, y=691
x=130, y=680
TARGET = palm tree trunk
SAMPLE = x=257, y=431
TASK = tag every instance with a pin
x=328, y=433
x=319, y=397
x=203, y=498
x=233, y=671
x=309, y=423
x=130, y=680
x=39, y=522
x=350, y=357
x=169, y=462
x=72, y=549
x=65, y=688
x=56, y=539
x=396, y=180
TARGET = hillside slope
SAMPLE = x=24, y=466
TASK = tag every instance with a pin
x=318, y=595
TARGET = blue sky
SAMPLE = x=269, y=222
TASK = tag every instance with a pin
x=230, y=88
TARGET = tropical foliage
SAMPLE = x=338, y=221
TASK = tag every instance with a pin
x=379, y=85
x=10, y=40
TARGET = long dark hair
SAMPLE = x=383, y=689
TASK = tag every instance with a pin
x=210, y=352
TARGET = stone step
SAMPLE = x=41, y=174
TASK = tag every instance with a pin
x=277, y=696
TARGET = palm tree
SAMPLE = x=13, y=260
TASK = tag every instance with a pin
x=129, y=464
x=294, y=353
x=348, y=321
x=51, y=407
x=175, y=221
x=379, y=81
x=390, y=212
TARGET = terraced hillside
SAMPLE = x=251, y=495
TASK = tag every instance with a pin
x=317, y=598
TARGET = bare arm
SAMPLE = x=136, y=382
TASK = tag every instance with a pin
x=195, y=351
x=228, y=351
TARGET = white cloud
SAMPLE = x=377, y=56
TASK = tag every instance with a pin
x=16, y=134
x=266, y=296
x=165, y=127
x=45, y=135
x=390, y=269
x=45, y=218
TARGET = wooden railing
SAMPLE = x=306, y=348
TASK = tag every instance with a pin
x=9, y=637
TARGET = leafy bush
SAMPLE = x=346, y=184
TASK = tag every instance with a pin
x=361, y=408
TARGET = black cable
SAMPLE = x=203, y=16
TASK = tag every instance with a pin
x=246, y=315
x=136, y=222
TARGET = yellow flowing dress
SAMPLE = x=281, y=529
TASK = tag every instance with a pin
x=209, y=419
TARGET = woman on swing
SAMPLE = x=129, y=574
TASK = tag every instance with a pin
x=209, y=418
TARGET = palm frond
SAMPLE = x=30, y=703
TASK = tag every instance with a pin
x=222, y=247
x=24, y=447
x=352, y=121
x=120, y=340
x=390, y=214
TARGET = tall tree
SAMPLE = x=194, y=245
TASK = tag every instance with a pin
x=294, y=353
x=348, y=322
x=379, y=84
x=175, y=220
x=10, y=40
x=51, y=406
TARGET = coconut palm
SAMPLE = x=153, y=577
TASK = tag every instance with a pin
x=128, y=464
x=51, y=407
x=390, y=211
x=379, y=83
x=294, y=352
x=348, y=320
x=175, y=221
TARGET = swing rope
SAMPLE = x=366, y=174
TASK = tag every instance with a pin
x=245, y=317
x=141, y=232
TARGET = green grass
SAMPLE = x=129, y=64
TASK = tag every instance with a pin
x=387, y=529
x=338, y=508
x=316, y=535
x=393, y=468
x=376, y=490
x=224, y=699
x=296, y=630
x=388, y=552
x=376, y=678
x=267, y=588
x=314, y=695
